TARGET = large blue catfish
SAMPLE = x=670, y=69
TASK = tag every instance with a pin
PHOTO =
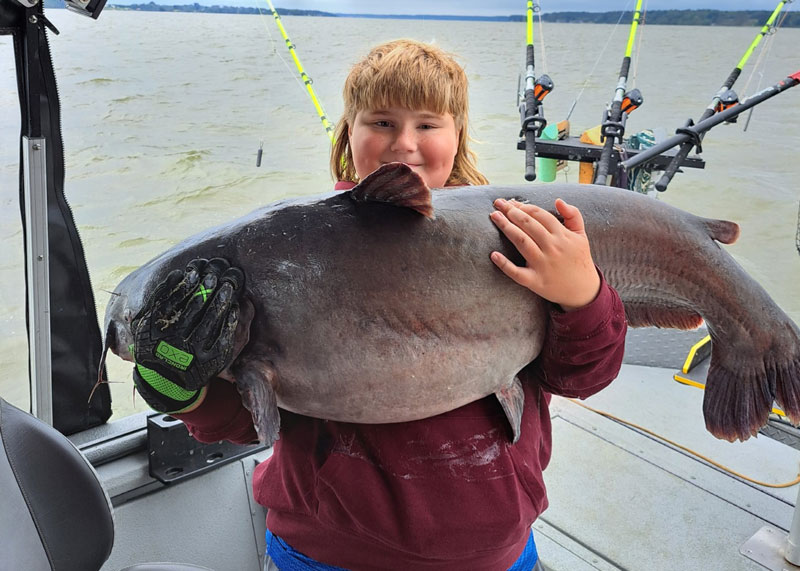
x=381, y=304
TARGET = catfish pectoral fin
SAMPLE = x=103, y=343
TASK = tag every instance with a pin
x=254, y=381
x=512, y=399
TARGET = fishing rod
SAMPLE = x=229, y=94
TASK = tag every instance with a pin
x=723, y=99
x=624, y=103
x=303, y=75
x=530, y=107
x=694, y=133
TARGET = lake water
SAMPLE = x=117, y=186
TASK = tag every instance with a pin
x=163, y=114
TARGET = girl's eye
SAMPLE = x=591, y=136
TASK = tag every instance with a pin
x=382, y=123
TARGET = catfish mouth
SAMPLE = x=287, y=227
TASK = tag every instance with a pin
x=119, y=339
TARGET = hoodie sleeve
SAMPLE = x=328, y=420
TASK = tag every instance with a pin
x=583, y=349
x=221, y=416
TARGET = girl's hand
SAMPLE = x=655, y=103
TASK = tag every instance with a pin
x=559, y=262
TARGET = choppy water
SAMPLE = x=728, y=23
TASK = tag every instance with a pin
x=163, y=115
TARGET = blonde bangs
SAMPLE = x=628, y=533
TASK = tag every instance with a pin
x=409, y=75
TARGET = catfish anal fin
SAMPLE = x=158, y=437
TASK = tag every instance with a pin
x=512, y=399
x=254, y=381
x=398, y=184
x=640, y=314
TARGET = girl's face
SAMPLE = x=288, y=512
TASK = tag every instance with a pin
x=425, y=141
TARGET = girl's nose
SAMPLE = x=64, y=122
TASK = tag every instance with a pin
x=405, y=140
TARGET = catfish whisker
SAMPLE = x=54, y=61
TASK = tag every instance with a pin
x=113, y=292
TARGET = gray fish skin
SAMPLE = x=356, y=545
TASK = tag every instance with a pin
x=371, y=312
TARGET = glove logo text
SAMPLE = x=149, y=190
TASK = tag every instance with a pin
x=173, y=356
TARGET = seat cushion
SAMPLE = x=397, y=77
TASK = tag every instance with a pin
x=64, y=516
x=20, y=544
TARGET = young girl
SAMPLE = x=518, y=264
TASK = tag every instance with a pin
x=451, y=491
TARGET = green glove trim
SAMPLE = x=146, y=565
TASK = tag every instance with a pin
x=164, y=386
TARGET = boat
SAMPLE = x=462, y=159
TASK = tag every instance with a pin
x=663, y=508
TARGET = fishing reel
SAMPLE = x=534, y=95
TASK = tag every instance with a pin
x=542, y=87
x=727, y=99
x=631, y=101
x=532, y=119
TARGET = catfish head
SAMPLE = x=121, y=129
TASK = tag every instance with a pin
x=128, y=300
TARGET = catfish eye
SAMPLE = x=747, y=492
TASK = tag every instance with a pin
x=127, y=315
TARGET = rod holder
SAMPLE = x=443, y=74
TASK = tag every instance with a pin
x=792, y=549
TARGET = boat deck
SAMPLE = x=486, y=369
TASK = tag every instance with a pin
x=619, y=498
x=622, y=499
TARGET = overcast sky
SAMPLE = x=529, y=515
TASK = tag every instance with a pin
x=480, y=8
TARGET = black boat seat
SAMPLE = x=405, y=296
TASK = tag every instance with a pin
x=54, y=513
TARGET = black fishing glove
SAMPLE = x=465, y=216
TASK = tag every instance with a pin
x=184, y=333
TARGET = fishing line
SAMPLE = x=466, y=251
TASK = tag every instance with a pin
x=797, y=236
x=761, y=56
x=761, y=63
x=274, y=48
x=687, y=449
x=538, y=9
x=597, y=62
x=624, y=102
x=275, y=51
x=639, y=45
x=306, y=79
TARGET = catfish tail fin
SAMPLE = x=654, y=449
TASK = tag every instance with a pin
x=743, y=385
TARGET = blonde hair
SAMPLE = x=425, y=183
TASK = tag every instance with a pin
x=411, y=75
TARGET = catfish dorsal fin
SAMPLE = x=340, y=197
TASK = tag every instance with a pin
x=395, y=183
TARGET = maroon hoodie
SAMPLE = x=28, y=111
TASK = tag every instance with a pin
x=446, y=492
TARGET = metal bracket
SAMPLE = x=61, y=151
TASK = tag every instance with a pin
x=613, y=129
x=536, y=123
x=767, y=547
x=173, y=455
x=34, y=157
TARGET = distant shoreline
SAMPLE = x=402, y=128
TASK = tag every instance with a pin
x=751, y=18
